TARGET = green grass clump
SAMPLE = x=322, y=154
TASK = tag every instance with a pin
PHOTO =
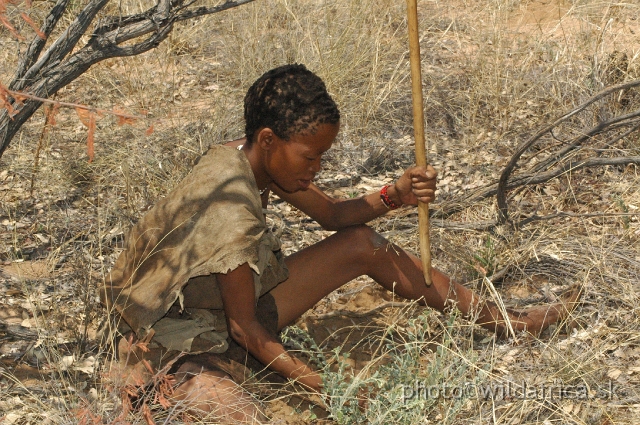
x=411, y=380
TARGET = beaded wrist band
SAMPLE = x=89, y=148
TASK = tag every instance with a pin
x=386, y=200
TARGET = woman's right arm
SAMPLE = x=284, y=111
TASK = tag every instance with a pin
x=238, y=298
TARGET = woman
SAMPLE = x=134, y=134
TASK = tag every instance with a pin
x=205, y=249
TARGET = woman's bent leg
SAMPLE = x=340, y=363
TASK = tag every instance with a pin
x=321, y=268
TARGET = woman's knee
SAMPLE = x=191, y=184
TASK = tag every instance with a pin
x=364, y=242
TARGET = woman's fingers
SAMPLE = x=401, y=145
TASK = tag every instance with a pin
x=423, y=183
x=426, y=196
x=417, y=184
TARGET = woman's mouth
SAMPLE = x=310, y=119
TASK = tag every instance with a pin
x=304, y=184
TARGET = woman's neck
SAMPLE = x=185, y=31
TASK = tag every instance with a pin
x=254, y=156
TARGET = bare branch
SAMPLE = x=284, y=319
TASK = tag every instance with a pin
x=570, y=167
x=119, y=30
x=54, y=70
x=202, y=11
x=75, y=105
x=449, y=208
x=612, y=124
x=65, y=43
x=36, y=46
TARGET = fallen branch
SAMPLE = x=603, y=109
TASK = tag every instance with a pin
x=573, y=215
x=351, y=313
x=540, y=172
x=503, y=183
x=476, y=226
x=567, y=168
x=613, y=124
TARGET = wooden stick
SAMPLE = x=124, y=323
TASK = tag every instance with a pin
x=418, y=129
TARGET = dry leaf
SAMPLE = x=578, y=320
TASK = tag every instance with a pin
x=126, y=120
x=165, y=388
x=146, y=412
x=126, y=406
x=143, y=346
x=87, y=365
x=84, y=115
x=88, y=118
x=620, y=353
x=4, y=101
x=123, y=117
x=90, y=136
x=614, y=373
x=162, y=401
x=66, y=362
x=51, y=111
x=149, y=131
x=19, y=97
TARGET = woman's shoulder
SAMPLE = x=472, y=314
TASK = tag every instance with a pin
x=236, y=143
x=220, y=164
x=221, y=153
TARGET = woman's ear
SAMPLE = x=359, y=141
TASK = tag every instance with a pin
x=265, y=138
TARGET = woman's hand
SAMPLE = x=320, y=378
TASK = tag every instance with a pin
x=416, y=184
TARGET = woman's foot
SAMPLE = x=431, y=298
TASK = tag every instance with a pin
x=533, y=320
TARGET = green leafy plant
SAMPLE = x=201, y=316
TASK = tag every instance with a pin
x=397, y=387
x=485, y=261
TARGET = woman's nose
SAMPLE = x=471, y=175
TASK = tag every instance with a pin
x=316, y=165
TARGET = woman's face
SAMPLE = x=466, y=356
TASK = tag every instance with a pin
x=292, y=164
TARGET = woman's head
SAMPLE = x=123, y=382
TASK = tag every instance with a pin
x=289, y=100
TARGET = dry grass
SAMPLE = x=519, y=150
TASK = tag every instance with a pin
x=493, y=73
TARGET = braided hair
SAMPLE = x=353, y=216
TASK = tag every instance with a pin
x=289, y=99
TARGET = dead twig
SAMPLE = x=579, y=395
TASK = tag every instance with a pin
x=57, y=104
x=351, y=313
x=573, y=215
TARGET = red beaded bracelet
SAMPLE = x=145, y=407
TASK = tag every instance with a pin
x=384, y=196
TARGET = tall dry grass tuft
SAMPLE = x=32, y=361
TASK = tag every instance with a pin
x=493, y=73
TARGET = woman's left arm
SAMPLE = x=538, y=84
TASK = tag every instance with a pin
x=416, y=184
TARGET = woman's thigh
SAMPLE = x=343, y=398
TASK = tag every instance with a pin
x=317, y=270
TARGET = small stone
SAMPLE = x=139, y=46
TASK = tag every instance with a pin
x=92, y=394
x=66, y=362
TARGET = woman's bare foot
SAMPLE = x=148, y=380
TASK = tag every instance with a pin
x=533, y=320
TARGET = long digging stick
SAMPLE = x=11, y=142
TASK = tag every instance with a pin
x=418, y=129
